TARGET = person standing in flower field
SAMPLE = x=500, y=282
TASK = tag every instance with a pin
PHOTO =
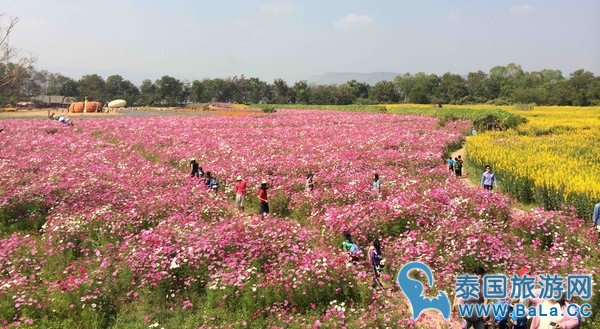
x=240, y=193
x=377, y=263
x=451, y=164
x=488, y=180
x=263, y=198
x=458, y=164
x=376, y=183
x=309, y=184
x=196, y=169
x=596, y=215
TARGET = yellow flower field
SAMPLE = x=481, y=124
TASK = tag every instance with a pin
x=552, y=159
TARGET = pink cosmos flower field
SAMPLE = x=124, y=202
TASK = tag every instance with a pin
x=102, y=225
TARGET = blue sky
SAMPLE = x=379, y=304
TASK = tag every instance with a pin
x=298, y=39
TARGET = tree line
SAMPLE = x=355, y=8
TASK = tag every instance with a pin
x=502, y=85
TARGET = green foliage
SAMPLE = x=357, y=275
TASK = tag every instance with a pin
x=91, y=86
x=268, y=109
x=502, y=85
x=23, y=216
x=384, y=92
x=524, y=107
x=279, y=204
x=482, y=120
x=118, y=88
x=59, y=84
x=397, y=226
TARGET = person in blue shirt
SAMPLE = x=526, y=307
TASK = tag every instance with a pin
x=502, y=320
x=451, y=164
x=488, y=180
x=596, y=215
x=211, y=182
x=376, y=183
x=517, y=322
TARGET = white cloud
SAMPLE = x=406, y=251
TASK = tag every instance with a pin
x=521, y=11
x=353, y=19
x=278, y=8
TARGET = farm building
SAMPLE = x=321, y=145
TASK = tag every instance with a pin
x=53, y=100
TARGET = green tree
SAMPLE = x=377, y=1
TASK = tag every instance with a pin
x=197, y=92
x=149, y=94
x=477, y=88
x=281, y=92
x=171, y=90
x=423, y=88
x=91, y=86
x=343, y=95
x=35, y=84
x=358, y=89
x=322, y=95
x=14, y=69
x=584, y=87
x=218, y=89
x=404, y=83
x=385, y=92
x=119, y=88
x=59, y=84
x=301, y=92
x=452, y=88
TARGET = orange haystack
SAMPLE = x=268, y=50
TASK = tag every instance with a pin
x=78, y=107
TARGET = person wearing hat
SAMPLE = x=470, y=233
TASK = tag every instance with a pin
x=263, y=199
x=240, y=192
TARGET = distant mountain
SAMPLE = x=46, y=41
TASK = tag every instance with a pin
x=336, y=78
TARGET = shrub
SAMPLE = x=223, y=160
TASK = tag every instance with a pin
x=269, y=109
x=524, y=107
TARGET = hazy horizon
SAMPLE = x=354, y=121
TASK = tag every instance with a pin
x=297, y=40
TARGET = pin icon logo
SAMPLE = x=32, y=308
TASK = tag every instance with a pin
x=413, y=290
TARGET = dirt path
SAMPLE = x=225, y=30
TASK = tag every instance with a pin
x=515, y=210
x=462, y=152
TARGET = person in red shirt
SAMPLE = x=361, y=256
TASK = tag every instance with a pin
x=240, y=192
x=263, y=199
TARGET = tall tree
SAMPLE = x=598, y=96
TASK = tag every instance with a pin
x=584, y=87
x=281, y=92
x=171, y=90
x=13, y=67
x=197, y=92
x=385, y=92
x=301, y=92
x=358, y=89
x=119, y=88
x=59, y=84
x=452, y=88
x=36, y=83
x=423, y=88
x=149, y=94
x=91, y=86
